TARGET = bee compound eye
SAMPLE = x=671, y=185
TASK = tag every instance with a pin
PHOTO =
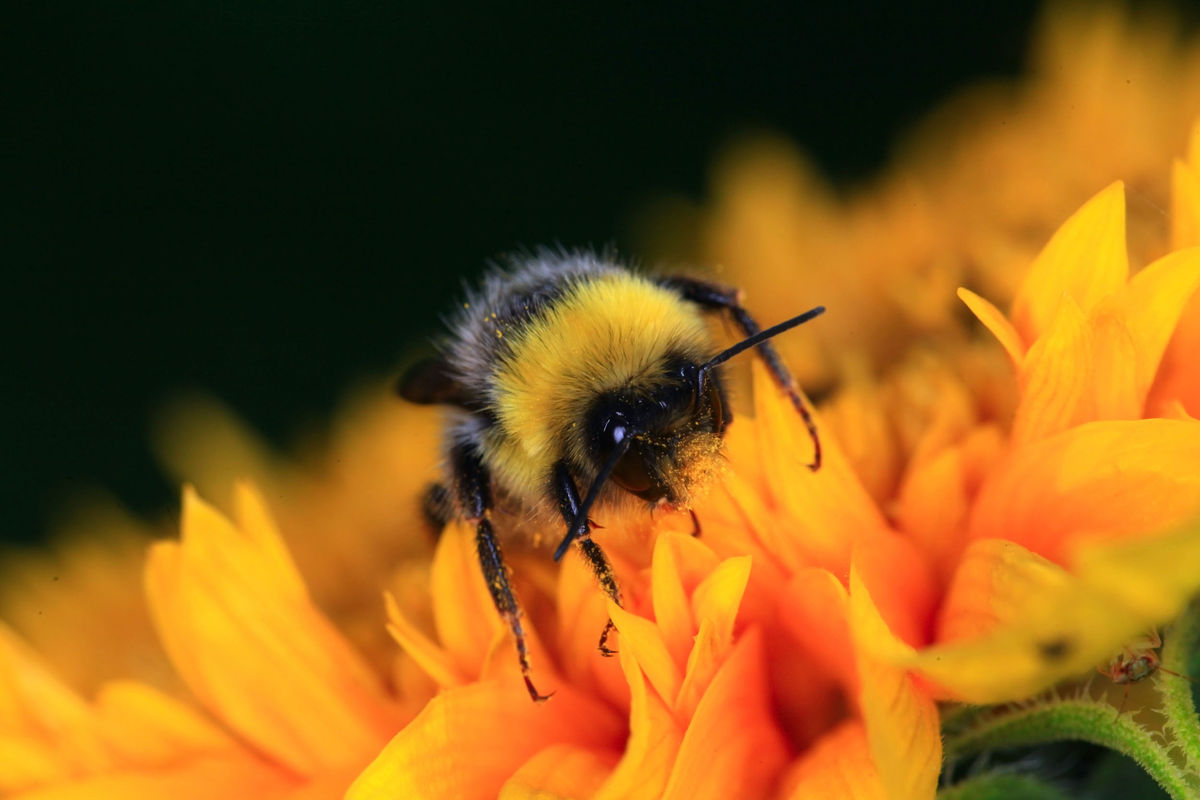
x=632, y=474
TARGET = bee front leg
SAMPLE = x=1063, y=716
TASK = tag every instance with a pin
x=474, y=488
x=567, y=495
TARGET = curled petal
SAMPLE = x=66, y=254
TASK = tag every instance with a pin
x=994, y=320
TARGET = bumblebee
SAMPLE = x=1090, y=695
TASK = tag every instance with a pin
x=568, y=370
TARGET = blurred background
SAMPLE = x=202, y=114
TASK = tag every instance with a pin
x=268, y=201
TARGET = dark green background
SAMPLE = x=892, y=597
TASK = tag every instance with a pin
x=268, y=200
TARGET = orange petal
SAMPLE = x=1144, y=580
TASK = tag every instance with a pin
x=560, y=772
x=733, y=747
x=814, y=609
x=1084, y=260
x=199, y=779
x=902, y=720
x=1102, y=478
x=900, y=583
x=994, y=320
x=654, y=737
x=839, y=765
x=238, y=626
x=582, y=615
x=933, y=502
x=825, y=510
x=469, y=740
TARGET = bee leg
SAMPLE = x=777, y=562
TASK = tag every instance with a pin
x=715, y=297
x=567, y=495
x=473, y=485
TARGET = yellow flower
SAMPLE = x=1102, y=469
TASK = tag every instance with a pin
x=992, y=517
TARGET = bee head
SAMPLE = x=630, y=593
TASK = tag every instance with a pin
x=659, y=435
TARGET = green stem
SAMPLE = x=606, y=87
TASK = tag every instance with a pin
x=1179, y=708
x=1001, y=787
x=1081, y=719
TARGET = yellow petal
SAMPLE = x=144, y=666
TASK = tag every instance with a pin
x=1102, y=478
x=1152, y=303
x=839, y=766
x=1114, y=392
x=1154, y=576
x=994, y=320
x=1055, y=376
x=901, y=720
x=464, y=614
x=671, y=609
x=1004, y=646
x=1084, y=260
x=644, y=641
x=654, y=737
x=36, y=709
x=1082, y=369
x=26, y=763
x=238, y=626
x=715, y=603
x=560, y=772
x=146, y=727
x=469, y=740
x=733, y=747
x=436, y=663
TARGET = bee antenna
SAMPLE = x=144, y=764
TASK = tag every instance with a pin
x=581, y=514
x=760, y=337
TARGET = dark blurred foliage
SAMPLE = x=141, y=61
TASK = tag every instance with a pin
x=268, y=200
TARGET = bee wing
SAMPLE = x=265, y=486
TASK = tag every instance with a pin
x=430, y=382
